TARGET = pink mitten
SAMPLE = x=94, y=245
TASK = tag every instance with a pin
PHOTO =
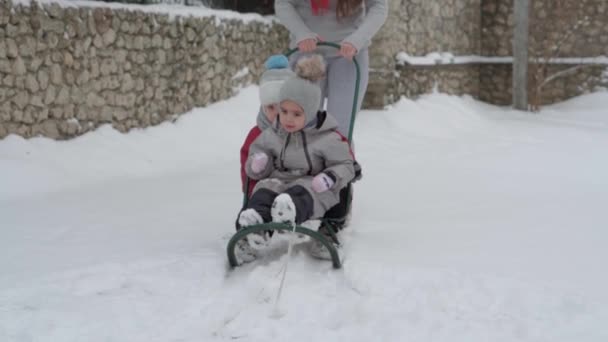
x=258, y=162
x=322, y=182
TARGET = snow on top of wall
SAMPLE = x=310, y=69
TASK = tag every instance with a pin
x=436, y=58
x=173, y=11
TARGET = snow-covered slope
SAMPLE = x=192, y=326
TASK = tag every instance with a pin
x=472, y=223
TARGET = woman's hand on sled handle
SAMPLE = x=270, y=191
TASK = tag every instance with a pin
x=323, y=182
x=258, y=162
x=347, y=50
x=307, y=45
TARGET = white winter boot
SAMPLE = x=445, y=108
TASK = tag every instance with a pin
x=251, y=217
x=283, y=209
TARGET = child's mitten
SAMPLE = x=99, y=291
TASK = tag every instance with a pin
x=322, y=182
x=258, y=162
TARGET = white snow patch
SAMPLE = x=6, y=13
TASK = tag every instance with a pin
x=471, y=223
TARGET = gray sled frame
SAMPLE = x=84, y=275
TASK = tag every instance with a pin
x=243, y=232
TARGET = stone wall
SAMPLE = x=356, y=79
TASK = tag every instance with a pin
x=456, y=79
x=419, y=27
x=548, y=22
x=482, y=27
x=442, y=25
x=65, y=71
x=496, y=83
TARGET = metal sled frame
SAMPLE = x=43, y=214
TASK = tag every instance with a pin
x=327, y=223
x=335, y=258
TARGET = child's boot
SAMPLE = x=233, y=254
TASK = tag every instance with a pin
x=283, y=209
x=249, y=217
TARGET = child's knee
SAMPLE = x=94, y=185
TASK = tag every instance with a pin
x=271, y=184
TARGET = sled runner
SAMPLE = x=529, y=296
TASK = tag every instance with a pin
x=330, y=223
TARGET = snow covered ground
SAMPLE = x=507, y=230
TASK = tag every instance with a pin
x=472, y=223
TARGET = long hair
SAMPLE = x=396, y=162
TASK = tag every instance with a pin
x=346, y=7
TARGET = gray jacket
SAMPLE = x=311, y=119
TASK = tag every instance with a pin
x=357, y=29
x=305, y=153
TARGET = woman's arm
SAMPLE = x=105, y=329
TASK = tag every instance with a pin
x=376, y=12
x=290, y=18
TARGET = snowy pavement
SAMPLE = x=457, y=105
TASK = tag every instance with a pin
x=472, y=223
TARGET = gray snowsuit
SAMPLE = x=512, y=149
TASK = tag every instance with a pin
x=294, y=159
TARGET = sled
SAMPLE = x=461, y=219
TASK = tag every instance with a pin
x=329, y=224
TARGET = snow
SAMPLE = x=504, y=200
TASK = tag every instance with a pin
x=434, y=58
x=471, y=223
x=241, y=73
x=174, y=11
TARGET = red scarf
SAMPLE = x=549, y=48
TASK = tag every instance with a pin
x=319, y=7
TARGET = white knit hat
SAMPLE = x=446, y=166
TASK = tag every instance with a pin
x=277, y=71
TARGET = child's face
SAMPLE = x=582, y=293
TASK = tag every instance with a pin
x=292, y=116
x=271, y=111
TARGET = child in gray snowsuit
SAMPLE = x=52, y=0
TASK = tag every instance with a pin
x=302, y=165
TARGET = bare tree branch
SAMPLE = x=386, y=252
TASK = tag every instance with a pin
x=549, y=39
x=565, y=72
